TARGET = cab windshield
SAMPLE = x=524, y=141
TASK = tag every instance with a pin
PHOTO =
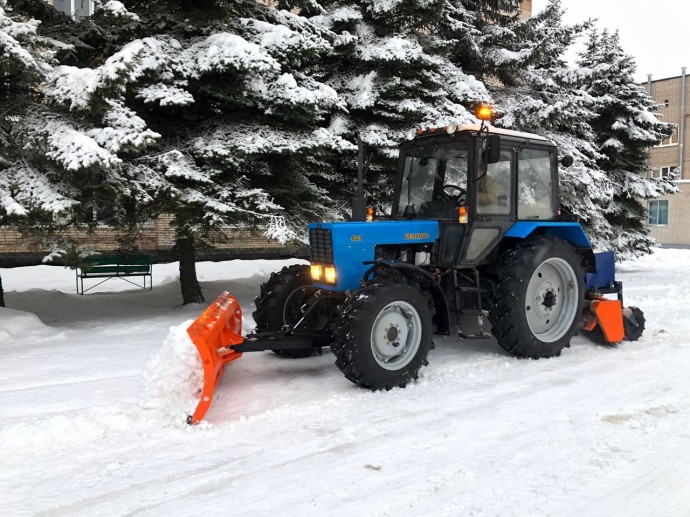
x=434, y=182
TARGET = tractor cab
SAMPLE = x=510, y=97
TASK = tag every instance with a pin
x=477, y=181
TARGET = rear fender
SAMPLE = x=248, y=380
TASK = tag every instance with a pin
x=568, y=231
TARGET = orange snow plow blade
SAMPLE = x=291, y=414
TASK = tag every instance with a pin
x=217, y=329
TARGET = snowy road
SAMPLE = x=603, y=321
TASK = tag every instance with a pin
x=598, y=431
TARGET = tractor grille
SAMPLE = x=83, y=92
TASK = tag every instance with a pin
x=321, y=246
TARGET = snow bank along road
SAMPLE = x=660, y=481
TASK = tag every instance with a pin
x=598, y=431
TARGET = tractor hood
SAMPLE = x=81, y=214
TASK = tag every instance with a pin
x=348, y=245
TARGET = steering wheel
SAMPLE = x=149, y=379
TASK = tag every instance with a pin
x=447, y=189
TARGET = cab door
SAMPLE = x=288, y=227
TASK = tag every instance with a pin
x=493, y=205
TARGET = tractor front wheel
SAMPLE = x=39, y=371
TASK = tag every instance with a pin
x=537, y=302
x=283, y=301
x=384, y=332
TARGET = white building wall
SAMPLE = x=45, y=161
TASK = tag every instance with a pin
x=83, y=8
x=75, y=8
x=65, y=6
x=668, y=92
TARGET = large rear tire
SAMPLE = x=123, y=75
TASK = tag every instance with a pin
x=384, y=333
x=537, y=302
x=283, y=301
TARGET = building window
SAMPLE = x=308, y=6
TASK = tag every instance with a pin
x=658, y=212
x=667, y=171
x=671, y=140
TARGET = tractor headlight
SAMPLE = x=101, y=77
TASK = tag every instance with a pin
x=411, y=134
x=329, y=275
x=452, y=128
x=324, y=274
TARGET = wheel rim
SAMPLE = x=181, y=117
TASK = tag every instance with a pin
x=296, y=304
x=396, y=335
x=552, y=300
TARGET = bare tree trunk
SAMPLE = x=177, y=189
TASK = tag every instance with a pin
x=191, y=290
x=2, y=294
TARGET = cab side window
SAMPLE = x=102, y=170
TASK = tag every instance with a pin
x=535, y=189
x=493, y=188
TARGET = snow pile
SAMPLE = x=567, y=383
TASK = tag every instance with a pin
x=174, y=377
x=15, y=325
x=65, y=431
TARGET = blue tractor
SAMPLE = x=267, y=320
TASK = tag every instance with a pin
x=476, y=244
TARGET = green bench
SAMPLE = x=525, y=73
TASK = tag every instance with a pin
x=114, y=266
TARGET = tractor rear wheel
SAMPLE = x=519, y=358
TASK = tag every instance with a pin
x=384, y=332
x=283, y=301
x=537, y=302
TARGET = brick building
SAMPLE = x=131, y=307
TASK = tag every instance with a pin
x=155, y=238
x=669, y=215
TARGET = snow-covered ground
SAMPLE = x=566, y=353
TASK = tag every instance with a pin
x=598, y=431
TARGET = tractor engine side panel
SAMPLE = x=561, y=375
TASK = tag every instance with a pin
x=349, y=245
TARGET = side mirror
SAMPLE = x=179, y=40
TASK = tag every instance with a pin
x=493, y=148
x=567, y=161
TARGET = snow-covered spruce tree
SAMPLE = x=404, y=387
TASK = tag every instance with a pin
x=390, y=67
x=473, y=34
x=28, y=196
x=540, y=93
x=207, y=115
x=625, y=127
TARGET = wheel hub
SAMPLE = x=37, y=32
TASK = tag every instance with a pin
x=395, y=335
x=549, y=299
x=392, y=335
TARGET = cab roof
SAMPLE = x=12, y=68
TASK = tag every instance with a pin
x=499, y=131
x=476, y=128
